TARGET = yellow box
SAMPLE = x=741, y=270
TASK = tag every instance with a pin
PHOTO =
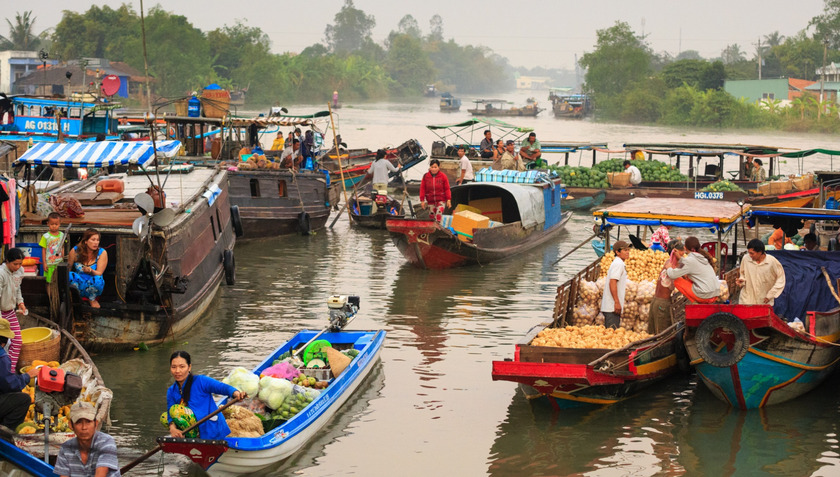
x=491, y=208
x=465, y=222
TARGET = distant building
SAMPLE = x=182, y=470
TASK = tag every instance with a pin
x=54, y=80
x=16, y=64
x=532, y=82
x=829, y=82
x=782, y=89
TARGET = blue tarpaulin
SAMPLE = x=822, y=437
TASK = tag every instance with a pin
x=673, y=223
x=805, y=286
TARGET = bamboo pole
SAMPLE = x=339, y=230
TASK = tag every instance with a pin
x=340, y=167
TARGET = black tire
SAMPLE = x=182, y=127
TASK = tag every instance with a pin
x=304, y=223
x=683, y=361
x=229, y=263
x=707, y=351
x=236, y=220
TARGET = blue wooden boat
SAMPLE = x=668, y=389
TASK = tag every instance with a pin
x=244, y=455
x=751, y=356
x=39, y=119
x=582, y=203
x=14, y=461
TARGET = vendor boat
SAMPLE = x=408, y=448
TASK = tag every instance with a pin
x=498, y=108
x=40, y=119
x=165, y=263
x=571, y=377
x=516, y=217
x=244, y=455
x=752, y=356
x=373, y=210
x=584, y=203
x=449, y=103
x=570, y=106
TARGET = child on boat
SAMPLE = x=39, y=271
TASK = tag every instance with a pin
x=50, y=243
x=11, y=299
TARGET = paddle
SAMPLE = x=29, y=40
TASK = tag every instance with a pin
x=154, y=451
x=405, y=193
x=577, y=247
x=338, y=215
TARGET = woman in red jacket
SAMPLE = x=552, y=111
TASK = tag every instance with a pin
x=434, y=190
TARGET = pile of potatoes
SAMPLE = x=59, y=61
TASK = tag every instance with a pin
x=587, y=336
x=641, y=266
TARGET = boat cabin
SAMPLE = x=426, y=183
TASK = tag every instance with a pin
x=41, y=119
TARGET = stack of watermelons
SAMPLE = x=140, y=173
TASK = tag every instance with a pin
x=581, y=176
x=722, y=186
x=652, y=170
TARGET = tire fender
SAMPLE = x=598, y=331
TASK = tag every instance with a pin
x=236, y=220
x=725, y=357
x=304, y=223
x=229, y=263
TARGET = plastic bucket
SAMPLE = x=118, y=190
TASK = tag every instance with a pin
x=365, y=209
x=35, y=335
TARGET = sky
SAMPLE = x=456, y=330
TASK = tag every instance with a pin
x=536, y=33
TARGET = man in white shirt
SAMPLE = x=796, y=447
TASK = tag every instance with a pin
x=467, y=174
x=613, y=300
x=761, y=276
x=635, y=173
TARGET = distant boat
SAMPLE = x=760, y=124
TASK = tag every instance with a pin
x=498, y=107
x=430, y=91
x=572, y=106
x=449, y=103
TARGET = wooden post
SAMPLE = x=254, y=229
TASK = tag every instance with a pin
x=593, y=157
x=340, y=167
x=567, y=158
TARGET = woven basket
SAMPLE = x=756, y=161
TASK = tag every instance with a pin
x=618, y=179
x=780, y=187
x=47, y=350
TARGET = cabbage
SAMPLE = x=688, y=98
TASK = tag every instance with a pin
x=244, y=380
x=273, y=391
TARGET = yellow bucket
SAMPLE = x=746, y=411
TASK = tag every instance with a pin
x=35, y=335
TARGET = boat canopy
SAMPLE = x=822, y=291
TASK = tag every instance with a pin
x=528, y=198
x=57, y=103
x=684, y=213
x=471, y=131
x=481, y=122
x=97, y=154
x=281, y=120
x=796, y=213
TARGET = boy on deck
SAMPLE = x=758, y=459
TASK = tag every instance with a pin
x=52, y=253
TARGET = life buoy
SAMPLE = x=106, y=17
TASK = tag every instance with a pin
x=735, y=348
x=229, y=263
x=304, y=223
x=236, y=220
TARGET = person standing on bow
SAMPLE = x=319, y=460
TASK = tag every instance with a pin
x=465, y=166
x=613, y=300
x=379, y=172
x=434, y=191
x=761, y=276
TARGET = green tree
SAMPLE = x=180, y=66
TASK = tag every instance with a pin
x=774, y=39
x=827, y=25
x=352, y=27
x=436, y=28
x=21, y=34
x=682, y=72
x=408, y=64
x=732, y=54
x=619, y=60
x=233, y=46
x=100, y=32
x=409, y=26
x=689, y=55
x=799, y=56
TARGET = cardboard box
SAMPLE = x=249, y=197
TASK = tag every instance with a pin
x=465, y=221
x=618, y=179
x=461, y=207
x=490, y=208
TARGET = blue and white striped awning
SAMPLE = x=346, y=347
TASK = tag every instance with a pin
x=97, y=154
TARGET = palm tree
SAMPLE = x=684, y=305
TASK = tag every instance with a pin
x=21, y=36
x=774, y=39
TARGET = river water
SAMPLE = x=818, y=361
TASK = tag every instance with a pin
x=430, y=405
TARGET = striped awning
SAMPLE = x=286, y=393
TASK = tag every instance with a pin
x=97, y=154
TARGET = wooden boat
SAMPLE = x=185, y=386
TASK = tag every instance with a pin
x=587, y=202
x=157, y=284
x=449, y=103
x=498, y=108
x=244, y=455
x=524, y=215
x=409, y=154
x=17, y=462
x=751, y=356
x=570, y=106
x=372, y=213
x=570, y=377
x=35, y=119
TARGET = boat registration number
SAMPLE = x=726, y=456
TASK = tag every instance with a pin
x=708, y=195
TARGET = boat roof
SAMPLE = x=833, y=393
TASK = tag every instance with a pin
x=502, y=101
x=63, y=103
x=481, y=122
x=685, y=213
x=281, y=120
x=561, y=146
x=97, y=154
x=528, y=197
x=796, y=212
x=464, y=132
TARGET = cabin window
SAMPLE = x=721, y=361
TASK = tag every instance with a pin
x=255, y=187
x=213, y=228
x=281, y=188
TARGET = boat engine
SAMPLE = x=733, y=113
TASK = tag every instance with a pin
x=342, y=308
x=54, y=389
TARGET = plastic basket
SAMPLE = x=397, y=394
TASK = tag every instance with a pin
x=46, y=350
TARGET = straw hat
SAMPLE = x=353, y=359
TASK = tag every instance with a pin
x=338, y=360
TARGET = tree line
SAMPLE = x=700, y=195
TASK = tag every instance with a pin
x=631, y=83
x=182, y=58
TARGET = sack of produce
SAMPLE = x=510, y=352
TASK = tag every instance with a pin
x=242, y=422
x=630, y=291
x=724, y=290
x=588, y=293
x=600, y=284
x=299, y=397
x=244, y=380
x=645, y=291
x=283, y=370
x=273, y=391
x=585, y=313
x=644, y=312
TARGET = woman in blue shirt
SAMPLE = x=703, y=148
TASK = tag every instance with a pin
x=195, y=392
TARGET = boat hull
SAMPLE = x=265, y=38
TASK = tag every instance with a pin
x=425, y=244
x=780, y=364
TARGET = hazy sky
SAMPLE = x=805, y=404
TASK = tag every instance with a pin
x=544, y=33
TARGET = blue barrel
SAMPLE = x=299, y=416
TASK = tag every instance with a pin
x=193, y=107
x=831, y=203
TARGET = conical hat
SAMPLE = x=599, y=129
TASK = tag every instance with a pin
x=337, y=360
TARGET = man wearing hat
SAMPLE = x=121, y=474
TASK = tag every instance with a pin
x=508, y=160
x=613, y=299
x=530, y=150
x=90, y=453
x=13, y=402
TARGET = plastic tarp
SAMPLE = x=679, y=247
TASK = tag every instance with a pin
x=97, y=154
x=805, y=286
x=529, y=200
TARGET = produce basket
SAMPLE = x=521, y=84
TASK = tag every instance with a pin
x=618, y=179
x=779, y=187
x=182, y=107
x=44, y=350
x=764, y=189
x=802, y=183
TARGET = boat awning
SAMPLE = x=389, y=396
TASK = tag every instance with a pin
x=481, y=121
x=796, y=213
x=529, y=199
x=97, y=154
x=281, y=120
x=684, y=213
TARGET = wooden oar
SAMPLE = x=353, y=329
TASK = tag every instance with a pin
x=338, y=215
x=572, y=250
x=154, y=451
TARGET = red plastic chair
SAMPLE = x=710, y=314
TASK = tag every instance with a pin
x=724, y=251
